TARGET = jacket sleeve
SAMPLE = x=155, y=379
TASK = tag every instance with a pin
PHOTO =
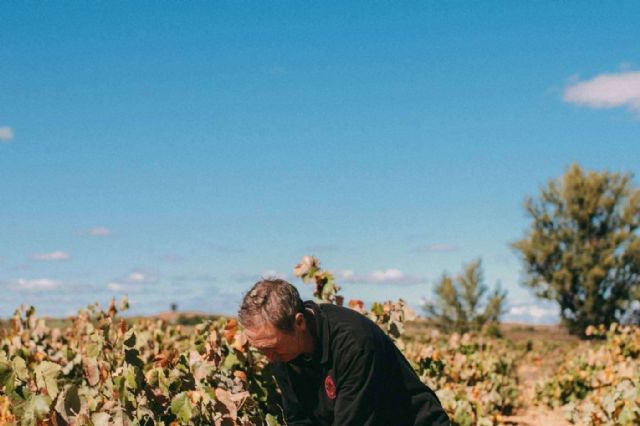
x=293, y=412
x=359, y=389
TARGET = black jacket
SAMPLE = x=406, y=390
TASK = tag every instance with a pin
x=357, y=376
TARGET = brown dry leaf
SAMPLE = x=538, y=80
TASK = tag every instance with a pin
x=91, y=371
x=475, y=394
x=437, y=355
x=104, y=371
x=112, y=308
x=356, y=305
x=230, y=329
x=200, y=372
x=225, y=398
x=159, y=397
x=239, y=397
x=6, y=417
x=305, y=265
x=160, y=360
x=213, y=339
x=241, y=343
x=195, y=396
x=241, y=375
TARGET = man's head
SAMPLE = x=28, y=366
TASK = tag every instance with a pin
x=272, y=314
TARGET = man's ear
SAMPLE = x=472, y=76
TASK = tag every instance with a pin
x=300, y=323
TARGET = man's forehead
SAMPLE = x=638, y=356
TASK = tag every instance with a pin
x=262, y=332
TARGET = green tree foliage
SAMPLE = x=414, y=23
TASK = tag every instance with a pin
x=583, y=249
x=461, y=304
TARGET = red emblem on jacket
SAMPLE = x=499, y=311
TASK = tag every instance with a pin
x=330, y=387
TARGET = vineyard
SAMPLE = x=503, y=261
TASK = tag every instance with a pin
x=103, y=369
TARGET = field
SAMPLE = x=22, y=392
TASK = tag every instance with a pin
x=99, y=368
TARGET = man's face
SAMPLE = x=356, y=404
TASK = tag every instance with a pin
x=275, y=344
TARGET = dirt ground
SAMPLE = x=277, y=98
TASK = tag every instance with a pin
x=549, y=344
x=534, y=415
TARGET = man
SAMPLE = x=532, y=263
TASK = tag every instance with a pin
x=334, y=366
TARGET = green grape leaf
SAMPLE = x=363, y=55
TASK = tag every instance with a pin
x=46, y=374
x=230, y=360
x=377, y=309
x=93, y=350
x=7, y=376
x=35, y=409
x=181, y=407
x=20, y=368
x=271, y=420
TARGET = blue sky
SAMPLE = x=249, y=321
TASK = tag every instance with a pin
x=176, y=151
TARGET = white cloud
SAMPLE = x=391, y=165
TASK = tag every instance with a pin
x=140, y=276
x=36, y=284
x=97, y=232
x=385, y=276
x=52, y=256
x=535, y=313
x=137, y=277
x=126, y=286
x=270, y=273
x=606, y=91
x=436, y=248
x=113, y=286
x=345, y=275
x=133, y=282
x=388, y=275
x=6, y=134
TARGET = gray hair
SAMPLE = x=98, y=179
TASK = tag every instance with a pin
x=271, y=300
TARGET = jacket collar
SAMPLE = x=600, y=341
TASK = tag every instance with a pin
x=321, y=330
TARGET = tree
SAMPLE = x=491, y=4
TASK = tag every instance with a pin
x=582, y=248
x=458, y=301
